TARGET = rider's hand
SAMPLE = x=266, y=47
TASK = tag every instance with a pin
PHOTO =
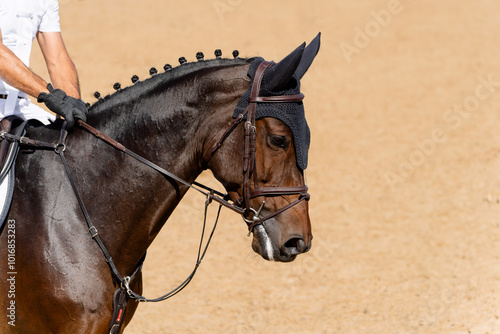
x=68, y=107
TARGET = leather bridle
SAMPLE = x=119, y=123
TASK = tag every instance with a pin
x=250, y=215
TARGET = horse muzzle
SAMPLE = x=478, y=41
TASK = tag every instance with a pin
x=266, y=242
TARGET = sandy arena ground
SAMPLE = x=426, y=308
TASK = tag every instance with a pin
x=403, y=102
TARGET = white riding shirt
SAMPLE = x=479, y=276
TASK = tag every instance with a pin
x=20, y=21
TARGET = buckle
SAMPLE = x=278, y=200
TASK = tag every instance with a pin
x=93, y=231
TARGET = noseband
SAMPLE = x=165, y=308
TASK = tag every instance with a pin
x=250, y=215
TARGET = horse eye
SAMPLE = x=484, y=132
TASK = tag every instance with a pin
x=278, y=141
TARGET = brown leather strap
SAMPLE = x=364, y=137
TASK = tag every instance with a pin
x=226, y=134
x=250, y=134
x=301, y=198
x=101, y=135
x=278, y=191
x=277, y=99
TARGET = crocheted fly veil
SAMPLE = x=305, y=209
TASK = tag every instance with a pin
x=283, y=78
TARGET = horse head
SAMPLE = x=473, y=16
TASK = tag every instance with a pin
x=271, y=185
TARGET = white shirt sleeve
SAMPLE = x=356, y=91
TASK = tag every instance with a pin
x=50, y=19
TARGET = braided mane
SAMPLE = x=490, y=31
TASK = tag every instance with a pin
x=161, y=80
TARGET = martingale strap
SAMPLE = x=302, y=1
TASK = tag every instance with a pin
x=124, y=293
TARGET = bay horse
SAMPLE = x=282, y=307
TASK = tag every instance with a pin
x=196, y=116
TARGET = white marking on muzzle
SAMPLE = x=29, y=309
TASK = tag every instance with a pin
x=267, y=242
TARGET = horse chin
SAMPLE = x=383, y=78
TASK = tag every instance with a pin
x=263, y=244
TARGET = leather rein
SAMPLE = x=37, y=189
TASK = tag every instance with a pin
x=242, y=206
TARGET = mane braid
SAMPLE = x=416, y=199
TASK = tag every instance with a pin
x=162, y=79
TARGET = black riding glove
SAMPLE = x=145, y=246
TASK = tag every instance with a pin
x=66, y=106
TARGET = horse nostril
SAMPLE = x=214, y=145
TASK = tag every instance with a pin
x=296, y=245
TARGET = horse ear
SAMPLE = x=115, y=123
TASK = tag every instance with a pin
x=279, y=75
x=310, y=52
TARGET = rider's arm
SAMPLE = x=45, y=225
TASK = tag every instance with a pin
x=61, y=68
x=16, y=74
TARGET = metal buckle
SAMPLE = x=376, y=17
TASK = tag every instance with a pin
x=125, y=285
x=248, y=125
x=93, y=231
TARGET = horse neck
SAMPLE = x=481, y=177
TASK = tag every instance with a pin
x=171, y=126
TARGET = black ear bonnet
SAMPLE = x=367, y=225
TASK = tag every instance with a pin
x=290, y=113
